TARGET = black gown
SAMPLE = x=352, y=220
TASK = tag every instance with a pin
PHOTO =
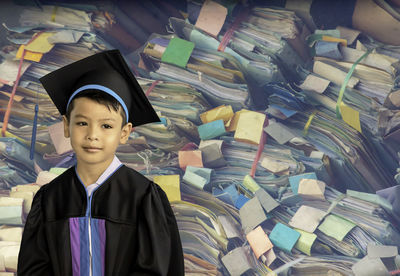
x=133, y=229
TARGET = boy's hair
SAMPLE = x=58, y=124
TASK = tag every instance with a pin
x=100, y=97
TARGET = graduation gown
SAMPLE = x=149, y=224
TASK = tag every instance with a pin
x=133, y=229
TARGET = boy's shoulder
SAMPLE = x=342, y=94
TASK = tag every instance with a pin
x=124, y=177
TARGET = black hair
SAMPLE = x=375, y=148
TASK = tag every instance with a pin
x=101, y=98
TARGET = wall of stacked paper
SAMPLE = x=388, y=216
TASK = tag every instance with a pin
x=278, y=146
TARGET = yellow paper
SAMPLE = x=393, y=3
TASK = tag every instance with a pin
x=350, y=116
x=250, y=183
x=170, y=185
x=231, y=125
x=311, y=189
x=305, y=242
x=28, y=54
x=335, y=39
x=250, y=127
x=223, y=112
x=40, y=44
x=17, y=98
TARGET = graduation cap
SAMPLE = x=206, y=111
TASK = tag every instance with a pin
x=107, y=72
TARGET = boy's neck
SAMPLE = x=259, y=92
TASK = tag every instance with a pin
x=88, y=173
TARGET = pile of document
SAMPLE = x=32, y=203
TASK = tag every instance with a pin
x=263, y=177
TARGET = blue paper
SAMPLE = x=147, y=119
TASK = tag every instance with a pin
x=284, y=237
x=160, y=41
x=295, y=180
x=241, y=201
x=232, y=191
x=211, y=130
x=287, y=112
x=223, y=195
x=203, y=172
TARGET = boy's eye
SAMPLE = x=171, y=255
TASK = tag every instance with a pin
x=81, y=123
x=107, y=126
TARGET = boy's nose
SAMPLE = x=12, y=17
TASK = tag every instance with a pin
x=92, y=134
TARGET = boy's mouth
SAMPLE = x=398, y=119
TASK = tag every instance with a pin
x=91, y=149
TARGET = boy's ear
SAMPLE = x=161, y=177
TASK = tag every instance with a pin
x=125, y=132
x=66, y=126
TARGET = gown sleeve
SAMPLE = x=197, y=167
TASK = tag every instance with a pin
x=33, y=258
x=160, y=250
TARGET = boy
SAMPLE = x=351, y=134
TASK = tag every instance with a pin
x=100, y=217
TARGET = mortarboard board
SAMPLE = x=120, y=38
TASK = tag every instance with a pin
x=105, y=71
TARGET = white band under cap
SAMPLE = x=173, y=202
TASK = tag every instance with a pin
x=104, y=89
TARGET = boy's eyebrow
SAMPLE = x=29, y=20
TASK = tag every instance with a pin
x=102, y=119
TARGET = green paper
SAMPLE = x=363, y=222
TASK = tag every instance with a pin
x=336, y=227
x=58, y=171
x=178, y=52
x=305, y=241
x=250, y=184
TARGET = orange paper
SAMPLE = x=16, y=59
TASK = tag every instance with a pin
x=211, y=17
x=259, y=241
x=190, y=158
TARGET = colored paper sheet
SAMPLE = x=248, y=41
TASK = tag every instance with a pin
x=203, y=172
x=236, y=261
x=232, y=191
x=45, y=177
x=370, y=267
x=211, y=17
x=211, y=130
x=222, y=195
x=252, y=215
x=40, y=44
x=279, y=112
x=270, y=257
x=170, y=185
x=241, y=200
x=336, y=227
x=212, y=156
x=57, y=170
x=32, y=56
x=178, y=52
x=194, y=179
x=250, y=184
x=311, y=189
x=224, y=112
x=229, y=227
x=284, y=237
x=204, y=143
x=250, y=127
x=314, y=83
x=381, y=251
x=61, y=143
x=259, y=241
x=190, y=157
x=27, y=196
x=307, y=218
x=267, y=201
x=279, y=132
x=273, y=166
x=349, y=34
x=305, y=241
x=295, y=180
x=374, y=198
x=231, y=125
x=350, y=116
x=17, y=98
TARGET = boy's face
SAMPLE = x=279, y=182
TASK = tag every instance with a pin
x=95, y=132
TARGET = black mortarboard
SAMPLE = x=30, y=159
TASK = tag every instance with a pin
x=108, y=72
